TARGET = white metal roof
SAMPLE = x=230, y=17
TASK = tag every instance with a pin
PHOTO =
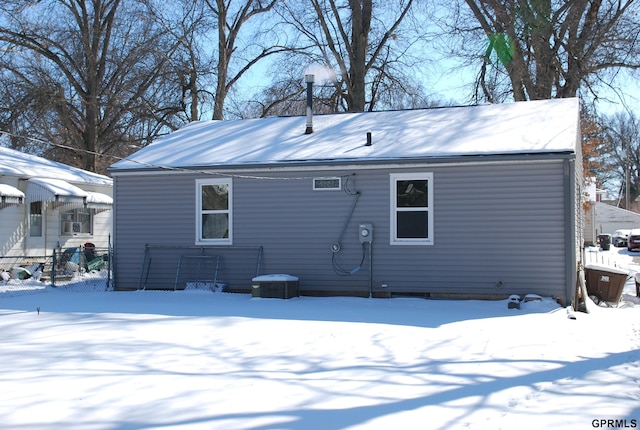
x=10, y=195
x=57, y=190
x=9, y=191
x=97, y=200
x=535, y=127
x=47, y=189
x=24, y=166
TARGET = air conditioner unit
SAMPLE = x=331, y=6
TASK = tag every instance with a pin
x=73, y=227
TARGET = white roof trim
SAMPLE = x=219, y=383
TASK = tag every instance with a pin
x=10, y=195
x=54, y=190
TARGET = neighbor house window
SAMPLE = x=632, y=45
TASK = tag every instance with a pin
x=411, y=208
x=35, y=219
x=76, y=222
x=214, y=211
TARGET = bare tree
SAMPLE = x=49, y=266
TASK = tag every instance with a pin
x=88, y=74
x=622, y=154
x=549, y=49
x=285, y=93
x=191, y=69
x=363, y=40
x=236, y=55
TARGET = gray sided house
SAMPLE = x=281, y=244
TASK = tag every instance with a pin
x=469, y=202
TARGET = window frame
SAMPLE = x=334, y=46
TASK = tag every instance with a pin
x=199, y=240
x=317, y=181
x=36, y=218
x=393, y=208
x=76, y=215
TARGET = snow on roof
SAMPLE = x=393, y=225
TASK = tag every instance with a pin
x=9, y=191
x=98, y=199
x=607, y=213
x=25, y=166
x=544, y=126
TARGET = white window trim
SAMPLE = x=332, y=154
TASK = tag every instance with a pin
x=43, y=219
x=393, y=177
x=217, y=181
x=333, y=178
x=91, y=214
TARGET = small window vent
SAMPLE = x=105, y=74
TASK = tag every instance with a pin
x=327, y=184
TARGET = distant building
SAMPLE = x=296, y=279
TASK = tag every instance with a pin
x=603, y=218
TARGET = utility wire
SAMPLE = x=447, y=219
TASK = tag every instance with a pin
x=170, y=168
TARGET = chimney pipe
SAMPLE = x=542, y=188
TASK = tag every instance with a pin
x=309, y=80
x=368, y=139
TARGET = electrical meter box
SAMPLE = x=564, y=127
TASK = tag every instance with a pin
x=365, y=233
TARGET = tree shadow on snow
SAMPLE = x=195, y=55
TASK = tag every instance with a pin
x=418, y=312
x=323, y=418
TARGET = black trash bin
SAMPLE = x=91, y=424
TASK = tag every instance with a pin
x=605, y=241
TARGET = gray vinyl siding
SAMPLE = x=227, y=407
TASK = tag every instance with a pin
x=149, y=209
x=499, y=228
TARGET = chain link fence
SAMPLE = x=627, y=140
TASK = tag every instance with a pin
x=88, y=269
x=80, y=269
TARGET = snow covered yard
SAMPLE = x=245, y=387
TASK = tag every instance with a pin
x=191, y=359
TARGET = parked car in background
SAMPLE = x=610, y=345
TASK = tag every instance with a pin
x=620, y=237
x=633, y=241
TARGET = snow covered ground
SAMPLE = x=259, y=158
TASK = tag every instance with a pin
x=198, y=360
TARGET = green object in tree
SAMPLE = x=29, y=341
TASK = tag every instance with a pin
x=503, y=47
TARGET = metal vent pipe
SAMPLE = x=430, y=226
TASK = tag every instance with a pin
x=309, y=80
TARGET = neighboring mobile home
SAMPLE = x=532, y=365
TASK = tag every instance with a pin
x=479, y=201
x=47, y=205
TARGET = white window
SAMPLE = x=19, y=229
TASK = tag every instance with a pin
x=214, y=211
x=76, y=222
x=35, y=219
x=411, y=202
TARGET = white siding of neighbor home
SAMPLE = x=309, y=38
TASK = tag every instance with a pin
x=499, y=227
x=16, y=240
x=16, y=168
x=12, y=233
